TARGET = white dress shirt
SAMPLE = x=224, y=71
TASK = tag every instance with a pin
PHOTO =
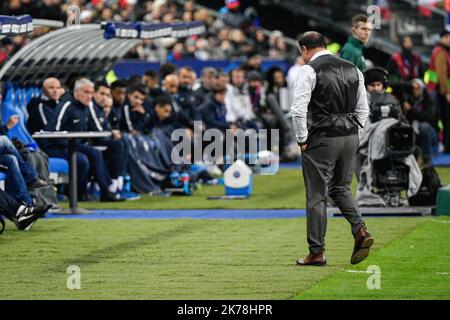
x=304, y=86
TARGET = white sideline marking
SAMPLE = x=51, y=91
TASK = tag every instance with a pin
x=442, y=221
x=356, y=271
x=442, y=273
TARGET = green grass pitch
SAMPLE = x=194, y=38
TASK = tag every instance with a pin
x=223, y=259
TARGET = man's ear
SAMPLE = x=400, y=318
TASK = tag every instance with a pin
x=303, y=49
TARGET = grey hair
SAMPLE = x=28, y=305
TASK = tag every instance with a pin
x=82, y=82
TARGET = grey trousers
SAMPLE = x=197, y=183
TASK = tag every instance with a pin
x=328, y=166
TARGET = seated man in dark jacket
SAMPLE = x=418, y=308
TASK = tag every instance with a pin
x=42, y=109
x=212, y=111
x=136, y=118
x=116, y=153
x=420, y=111
x=183, y=110
x=119, y=94
x=71, y=116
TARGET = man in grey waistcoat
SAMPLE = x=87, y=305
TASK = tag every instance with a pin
x=329, y=110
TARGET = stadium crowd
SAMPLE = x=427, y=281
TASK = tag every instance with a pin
x=235, y=33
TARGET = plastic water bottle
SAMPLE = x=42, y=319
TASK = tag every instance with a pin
x=127, y=183
x=185, y=179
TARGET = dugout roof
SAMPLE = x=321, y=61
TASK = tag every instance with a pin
x=79, y=49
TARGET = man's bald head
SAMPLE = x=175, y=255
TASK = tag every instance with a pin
x=52, y=88
x=310, y=43
x=170, y=84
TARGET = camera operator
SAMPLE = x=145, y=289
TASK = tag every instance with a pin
x=386, y=131
x=376, y=84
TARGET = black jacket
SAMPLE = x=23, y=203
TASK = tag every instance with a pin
x=70, y=115
x=212, y=113
x=41, y=111
x=131, y=120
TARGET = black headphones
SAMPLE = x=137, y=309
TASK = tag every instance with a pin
x=379, y=69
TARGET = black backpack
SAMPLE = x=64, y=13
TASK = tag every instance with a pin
x=428, y=189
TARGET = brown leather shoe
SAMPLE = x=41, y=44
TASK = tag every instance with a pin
x=363, y=242
x=311, y=259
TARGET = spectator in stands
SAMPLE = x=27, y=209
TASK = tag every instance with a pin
x=267, y=108
x=203, y=88
x=237, y=102
x=353, y=49
x=202, y=49
x=278, y=48
x=6, y=49
x=41, y=110
x=293, y=73
x=47, y=9
x=233, y=15
x=136, y=119
x=118, y=93
x=279, y=97
x=438, y=78
x=261, y=43
x=177, y=52
x=253, y=63
x=189, y=6
x=277, y=85
x=23, y=216
x=72, y=117
x=257, y=93
x=420, y=111
x=405, y=65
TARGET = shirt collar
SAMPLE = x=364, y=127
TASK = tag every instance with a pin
x=319, y=54
x=356, y=42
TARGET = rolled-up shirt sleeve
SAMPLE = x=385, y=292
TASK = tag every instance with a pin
x=303, y=87
x=362, y=106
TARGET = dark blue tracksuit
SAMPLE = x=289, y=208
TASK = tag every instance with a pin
x=187, y=112
x=41, y=111
x=115, y=155
x=212, y=113
x=72, y=116
x=131, y=120
x=114, y=117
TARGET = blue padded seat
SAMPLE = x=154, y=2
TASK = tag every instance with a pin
x=58, y=165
